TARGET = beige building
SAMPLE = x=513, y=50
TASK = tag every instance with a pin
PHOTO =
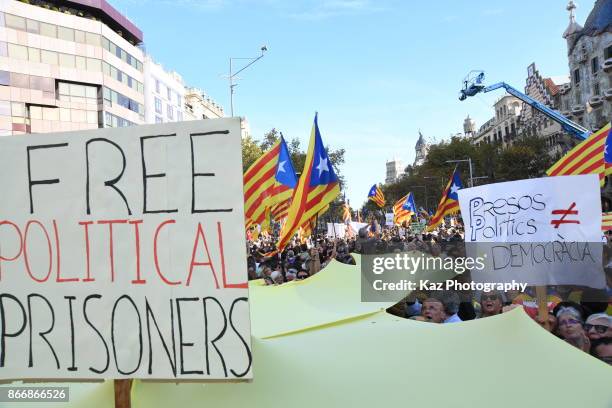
x=503, y=127
x=67, y=66
x=164, y=93
x=395, y=169
x=200, y=106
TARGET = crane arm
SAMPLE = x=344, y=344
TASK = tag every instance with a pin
x=566, y=124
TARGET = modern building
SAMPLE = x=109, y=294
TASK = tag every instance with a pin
x=200, y=106
x=395, y=170
x=503, y=127
x=587, y=99
x=164, y=93
x=421, y=148
x=68, y=65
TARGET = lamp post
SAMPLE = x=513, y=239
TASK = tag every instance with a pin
x=469, y=161
x=233, y=75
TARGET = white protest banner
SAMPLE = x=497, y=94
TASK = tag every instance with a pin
x=389, y=219
x=122, y=254
x=544, y=231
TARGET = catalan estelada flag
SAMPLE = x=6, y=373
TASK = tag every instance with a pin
x=586, y=158
x=404, y=209
x=269, y=181
x=317, y=187
x=449, y=203
x=377, y=196
x=606, y=221
x=346, y=213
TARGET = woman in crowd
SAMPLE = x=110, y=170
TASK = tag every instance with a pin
x=570, y=327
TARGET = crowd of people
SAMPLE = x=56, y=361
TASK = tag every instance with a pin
x=581, y=316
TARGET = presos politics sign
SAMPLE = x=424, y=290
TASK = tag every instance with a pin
x=122, y=254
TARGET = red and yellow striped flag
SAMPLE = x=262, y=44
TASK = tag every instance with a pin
x=317, y=187
x=376, y=194
x=449, y=203
x=606, y=221
x=585, y=158
x=346, y=213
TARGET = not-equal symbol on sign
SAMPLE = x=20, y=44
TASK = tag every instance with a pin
x=565, y=213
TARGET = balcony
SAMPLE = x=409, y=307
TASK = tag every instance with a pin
x=564, y=88
x=608, y=93
x=567, y=113
x=577, y=110
x=596, y=101
x=607, y=65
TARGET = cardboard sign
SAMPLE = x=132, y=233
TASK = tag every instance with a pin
x=538, y=231
x=389, y=219
x=122, y=254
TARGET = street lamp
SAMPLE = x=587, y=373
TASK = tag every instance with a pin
x=233, y=75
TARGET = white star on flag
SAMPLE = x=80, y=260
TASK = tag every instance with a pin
x=281, y=167
x=322, y=165
x=454, y=188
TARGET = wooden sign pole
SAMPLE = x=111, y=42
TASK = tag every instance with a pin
x=541, y=298
x=123, y=392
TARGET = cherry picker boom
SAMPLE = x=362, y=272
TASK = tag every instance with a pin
x=473, y=84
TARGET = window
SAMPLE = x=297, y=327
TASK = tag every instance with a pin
x=79, y=36
x=20, y=80
x=33, y=26
x=94, y=65
x=158, y=120
x=16, y=22
x=3, y=49
x=158, y=105
x=5, y=78
x=33, y=54
x=49, y=30
x=65, y=33
x=17, y=109
x=35, y=112
x=17, y=51
x=67, y=60
x=596, y=89
x=170, y=112
x=48, y=57
x=81, y=63
x=157, y=85
x=594, y=65
x=608, y=52
x=92, y=39
x=576, y=76
x=169, y=94
x=179, y=116
x=64, y=115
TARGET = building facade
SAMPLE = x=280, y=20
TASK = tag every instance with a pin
x=503, y=127
x=587, y=99
x=68, y=66
x=200, y=106
x=164, y=93
x=395, y=169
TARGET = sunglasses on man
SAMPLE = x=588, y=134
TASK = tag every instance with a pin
x=599, y=328
x=489, y=297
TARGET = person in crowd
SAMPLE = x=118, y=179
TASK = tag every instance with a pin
x=441, y=307
x=491, y=303
x=598, y=326
x=570, y=327
x=602, y=349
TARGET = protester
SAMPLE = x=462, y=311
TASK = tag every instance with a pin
x=570, y=328
x=491, y=303
x=598, y=326
x=602, y=349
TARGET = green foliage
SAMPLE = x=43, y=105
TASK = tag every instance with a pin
x=526, y=158
x=250, y=152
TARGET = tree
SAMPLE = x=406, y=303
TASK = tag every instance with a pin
x=250, y=152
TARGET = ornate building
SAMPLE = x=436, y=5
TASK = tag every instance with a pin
x=587, y=99
x=421, y=148
x=534, y=123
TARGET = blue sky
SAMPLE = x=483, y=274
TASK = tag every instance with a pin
x=376, y=71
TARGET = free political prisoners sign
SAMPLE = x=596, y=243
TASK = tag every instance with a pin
x=544, y=231
x=122, y=254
